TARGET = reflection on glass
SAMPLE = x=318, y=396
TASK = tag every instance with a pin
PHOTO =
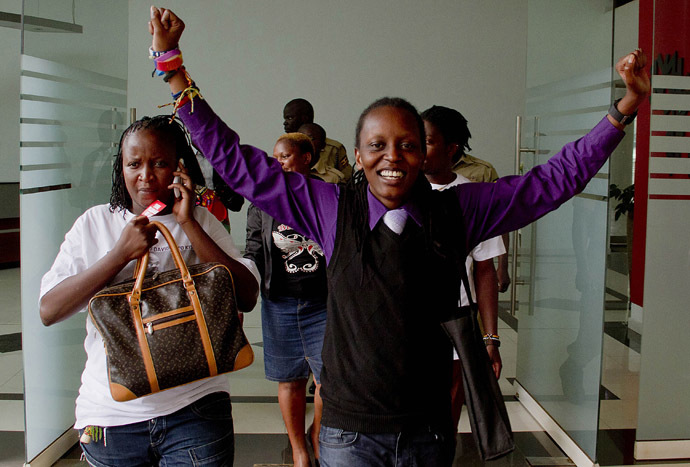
x=560, y=320
x=73, y=102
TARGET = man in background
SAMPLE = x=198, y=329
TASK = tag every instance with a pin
x=325, y=172
x=298, y=112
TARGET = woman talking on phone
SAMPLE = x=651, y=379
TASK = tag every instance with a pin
x=185, y=425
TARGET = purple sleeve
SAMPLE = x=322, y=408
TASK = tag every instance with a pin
x=309, y=206
x=512, y=202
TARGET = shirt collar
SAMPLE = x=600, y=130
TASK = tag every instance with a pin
x=377, y=210
x=319, y=167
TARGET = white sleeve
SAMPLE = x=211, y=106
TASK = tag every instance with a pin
x=488, y=249
x=223, y=239
x=70, y=259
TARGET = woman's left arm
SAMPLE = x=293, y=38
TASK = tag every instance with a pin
x=512, y=202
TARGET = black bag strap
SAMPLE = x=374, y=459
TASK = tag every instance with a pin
x=485, y=405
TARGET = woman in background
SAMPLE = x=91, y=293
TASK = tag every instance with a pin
x=293, y=303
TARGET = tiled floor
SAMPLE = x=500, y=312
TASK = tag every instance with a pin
x=11, y=375
x=260, y=431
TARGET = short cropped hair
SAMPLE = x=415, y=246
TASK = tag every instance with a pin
x=298, y=140
x=317, y=127
x=304, y=106
x=302, y=143
x=397, y=103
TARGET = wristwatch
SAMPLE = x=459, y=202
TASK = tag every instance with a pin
x=619, y=117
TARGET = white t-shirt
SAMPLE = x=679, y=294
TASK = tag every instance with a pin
x=93, y=234
x=485, y=250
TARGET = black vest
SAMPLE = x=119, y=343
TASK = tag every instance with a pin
x=386, y=359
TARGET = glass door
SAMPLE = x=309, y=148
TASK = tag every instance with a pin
x=72, y=112
x=562, y=257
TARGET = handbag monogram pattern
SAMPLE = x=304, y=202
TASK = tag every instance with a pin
x=169, y=329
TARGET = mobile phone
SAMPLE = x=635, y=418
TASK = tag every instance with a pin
x=175, y=189
x=180, y=165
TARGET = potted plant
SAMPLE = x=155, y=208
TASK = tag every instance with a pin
x=626, y=198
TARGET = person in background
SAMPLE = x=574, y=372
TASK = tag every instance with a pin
x=300, y=111
x=192, y=421
x=317, y=135
x=392, y=246
x=440, y=127
x=473, y=169
x=293, y=304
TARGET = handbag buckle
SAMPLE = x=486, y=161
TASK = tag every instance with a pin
x=149, y=328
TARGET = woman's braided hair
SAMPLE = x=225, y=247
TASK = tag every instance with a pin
x=171, y=130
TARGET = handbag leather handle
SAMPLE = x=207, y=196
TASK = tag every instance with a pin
x=177, y=257
x=135, y=298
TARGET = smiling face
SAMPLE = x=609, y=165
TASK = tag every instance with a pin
x=148, y=163
x=391, y=154
x=291, y=158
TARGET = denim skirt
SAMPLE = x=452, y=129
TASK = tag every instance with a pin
x=293, y=331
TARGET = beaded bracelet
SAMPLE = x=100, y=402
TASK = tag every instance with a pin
x=492, y=339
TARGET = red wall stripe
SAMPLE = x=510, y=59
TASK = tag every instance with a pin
x=683, y=155
x=672, y=197
x=669, y=176
x=646, y=42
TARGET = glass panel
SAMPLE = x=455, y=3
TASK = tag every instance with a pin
x=664, y=409
x=561, y=311
x=73, y=110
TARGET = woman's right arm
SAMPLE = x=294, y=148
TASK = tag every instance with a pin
x=73, y=293
x=308, y=206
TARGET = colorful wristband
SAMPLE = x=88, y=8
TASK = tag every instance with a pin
x=168, y=54
x=170, y=64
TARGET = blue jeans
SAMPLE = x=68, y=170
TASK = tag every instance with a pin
x=427, y=447
x=200, y=434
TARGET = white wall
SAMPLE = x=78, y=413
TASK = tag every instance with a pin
x=251, y=57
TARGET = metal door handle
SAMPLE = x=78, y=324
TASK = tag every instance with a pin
x=519, y=149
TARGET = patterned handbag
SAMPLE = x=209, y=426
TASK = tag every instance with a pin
x=171, y=328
